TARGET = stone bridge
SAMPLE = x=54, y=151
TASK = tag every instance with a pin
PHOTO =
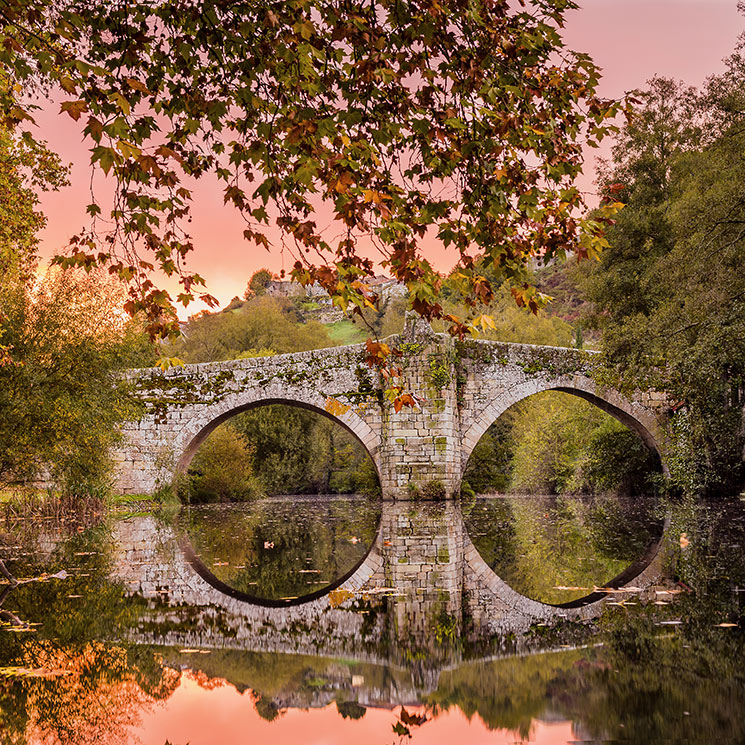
x=463, y=387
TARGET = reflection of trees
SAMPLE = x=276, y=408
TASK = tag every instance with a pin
x=538, y=543
x=97, y=699
x=506, y=694
x=649, y=683
x=80, y=688
x=636, y=690
x=286, y=548
x=282, y=681
x=656, y=689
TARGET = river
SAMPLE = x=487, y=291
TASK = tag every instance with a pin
x=339, y=619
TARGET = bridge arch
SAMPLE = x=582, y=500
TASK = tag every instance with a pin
x=195, y=431
x=638, y=418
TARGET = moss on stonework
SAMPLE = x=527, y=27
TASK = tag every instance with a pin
x=437, y=405
x=439, y=373
x=410, y=349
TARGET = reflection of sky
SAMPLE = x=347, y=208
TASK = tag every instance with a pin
x=630, y=39
x=223, y=715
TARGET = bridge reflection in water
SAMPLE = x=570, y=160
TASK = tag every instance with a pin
x=419, y=598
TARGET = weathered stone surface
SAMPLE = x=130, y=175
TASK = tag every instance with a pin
x=462, y=388
x=422, y=574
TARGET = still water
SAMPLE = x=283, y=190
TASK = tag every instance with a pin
x=194, y=628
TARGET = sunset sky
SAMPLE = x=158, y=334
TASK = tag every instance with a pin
x=631, y=40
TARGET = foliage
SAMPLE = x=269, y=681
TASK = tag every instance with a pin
x=616, y=460
x=669, y=290
x=258, y=283
x=263, y=323
x=62, y=399
x=489, y=467
x=552, y=435
x=299, y=451
x=554, y=443
x=221, y=471
x=511, y=323
x=432, y=489
x=458, y=120
x=26, y=166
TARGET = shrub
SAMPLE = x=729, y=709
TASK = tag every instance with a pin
x=222, y=470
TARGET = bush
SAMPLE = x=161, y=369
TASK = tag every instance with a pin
x=222, y=470
x=616, y=460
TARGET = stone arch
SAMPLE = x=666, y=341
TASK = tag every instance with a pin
x=635, y=416
x=196, y=429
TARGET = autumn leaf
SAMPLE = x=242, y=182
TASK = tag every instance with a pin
x=74, y=108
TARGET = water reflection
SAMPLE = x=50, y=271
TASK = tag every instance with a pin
x=281, y=549
x=556, y=549
x=113, y=654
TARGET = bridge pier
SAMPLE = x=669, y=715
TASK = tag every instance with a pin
x=420, y=451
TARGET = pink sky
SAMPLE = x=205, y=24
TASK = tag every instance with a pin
x=631, y=40
x=222, y=715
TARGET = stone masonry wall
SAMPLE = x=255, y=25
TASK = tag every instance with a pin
x=461, y=389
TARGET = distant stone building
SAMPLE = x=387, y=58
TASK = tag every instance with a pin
x=384, y=286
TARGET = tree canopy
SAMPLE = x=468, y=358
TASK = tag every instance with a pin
x=394, y=122
x=669, y=289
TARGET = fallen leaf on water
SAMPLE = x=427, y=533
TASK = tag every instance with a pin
x=337, y=597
